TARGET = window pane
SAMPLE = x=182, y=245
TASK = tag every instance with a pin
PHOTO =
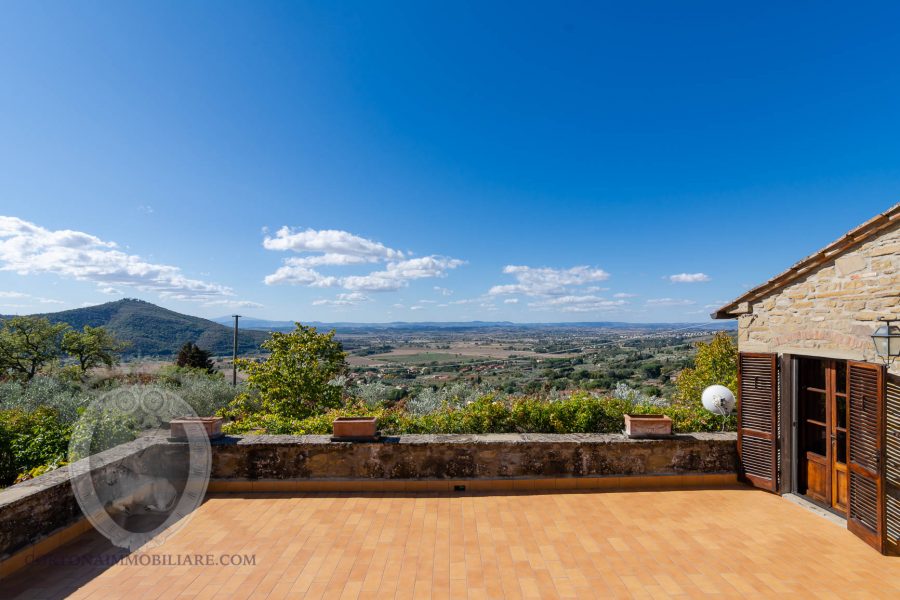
x=815, y=439
x=812, y=373
x=841, y=377
x=813, y=405
x=840, y=411
x=841, y=450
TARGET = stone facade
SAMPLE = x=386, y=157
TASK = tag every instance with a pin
x=833, y=311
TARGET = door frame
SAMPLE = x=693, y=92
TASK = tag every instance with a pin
x=791, y=468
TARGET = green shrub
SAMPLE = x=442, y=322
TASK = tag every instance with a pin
x=579, y=413
x=100, y=428
x=66, y=398
x=207, y=393
x=38, y=471
x=30, y=439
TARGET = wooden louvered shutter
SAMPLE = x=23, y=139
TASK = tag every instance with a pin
x=865, y=392
x=757, y=419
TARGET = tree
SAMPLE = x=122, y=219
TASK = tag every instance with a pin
x=651, y=370
x=295, y=381
x=27, y=344
x=715, y=363
x=92, y=347
x=193, y=356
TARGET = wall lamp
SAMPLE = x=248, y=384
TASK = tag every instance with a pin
x=887, y=341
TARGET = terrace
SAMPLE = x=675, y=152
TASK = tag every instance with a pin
x=512, y=516
x=733, y=541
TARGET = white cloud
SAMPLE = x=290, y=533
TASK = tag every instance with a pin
x=109, y=290
x=579, y=304
x=351, y=299
x=716, y=304
x=330, y=259
x=669, y=302
x=234, y=303
x=511, y=301
x=689, y=278
x=443, y=291
x=26, y=248
x=298, y=275
x=543, y=281
x=624, y=295
x=341, y=248
x=416, y=307
x=330, y=241
x=398, y=274
x=146, y=209
x=20, y=295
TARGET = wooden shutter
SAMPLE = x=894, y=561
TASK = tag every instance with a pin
x=892, y=465
x=865, y=393
x=757, y=419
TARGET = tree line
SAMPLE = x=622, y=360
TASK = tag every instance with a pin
x=30, y=344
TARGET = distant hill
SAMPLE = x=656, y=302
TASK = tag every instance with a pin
x=154, y=330
x=260, y=324
x=347, y=327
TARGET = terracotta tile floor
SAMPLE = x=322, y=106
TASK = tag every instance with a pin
x=729, y=542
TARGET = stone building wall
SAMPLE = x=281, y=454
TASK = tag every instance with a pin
x=833, y=311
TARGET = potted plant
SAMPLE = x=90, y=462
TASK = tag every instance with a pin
x=354, y=428
x=645, y=426
x=211, y=425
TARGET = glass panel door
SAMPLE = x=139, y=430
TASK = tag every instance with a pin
x=816, y=446
x=839, y=411
x=822, y=420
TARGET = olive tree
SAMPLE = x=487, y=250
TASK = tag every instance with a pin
x=27, y=344
x=92, y=347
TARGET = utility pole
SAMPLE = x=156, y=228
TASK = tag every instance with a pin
x=234, y=352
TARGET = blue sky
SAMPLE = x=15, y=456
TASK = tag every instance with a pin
x=436, y=161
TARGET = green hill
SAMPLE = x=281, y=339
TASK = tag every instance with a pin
x=154, y=330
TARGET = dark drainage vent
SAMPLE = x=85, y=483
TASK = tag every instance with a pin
x=459, y=488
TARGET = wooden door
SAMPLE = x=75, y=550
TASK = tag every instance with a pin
x=865, y=395
x=757, y=419
x=838, y=416
x=814, y=413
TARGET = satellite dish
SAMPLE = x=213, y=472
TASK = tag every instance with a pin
x=718, y=399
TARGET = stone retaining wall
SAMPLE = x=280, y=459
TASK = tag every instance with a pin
x=471, y=456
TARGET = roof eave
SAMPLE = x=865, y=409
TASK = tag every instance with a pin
x=851, y=239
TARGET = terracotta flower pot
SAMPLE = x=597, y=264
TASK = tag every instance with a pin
x=638, y=426
x=212, y=426
x=355, y=427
